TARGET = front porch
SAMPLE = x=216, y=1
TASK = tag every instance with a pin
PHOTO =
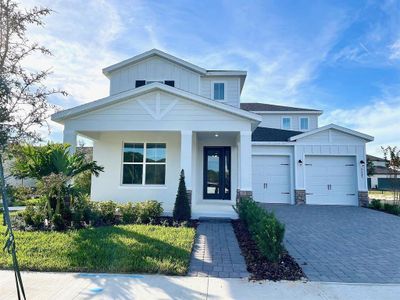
x=217, y=167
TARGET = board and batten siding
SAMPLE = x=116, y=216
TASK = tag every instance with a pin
x=232, y=88
x=158, y=111
x=331, y=143
x=275, y=120
x=154, y=68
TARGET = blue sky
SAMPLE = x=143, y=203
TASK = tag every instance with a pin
x=339, y=56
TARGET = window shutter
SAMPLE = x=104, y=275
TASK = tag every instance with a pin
x=140, y=83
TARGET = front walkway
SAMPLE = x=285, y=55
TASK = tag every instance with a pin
x=342, y=243
x=216, y=251
x=60, y=286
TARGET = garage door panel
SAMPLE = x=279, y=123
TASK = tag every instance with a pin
x=331, y=180
x=271, y=178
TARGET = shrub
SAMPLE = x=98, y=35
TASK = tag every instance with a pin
x=148, y=211
x=58, y=222
x=34, y=216
x=392, y=208
x=264, y=227
x=107, y=212
x=182, y=206
x=19, y=195
x=129, y=213
x=375, y=204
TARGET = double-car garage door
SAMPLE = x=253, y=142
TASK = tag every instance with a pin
x=329, y=180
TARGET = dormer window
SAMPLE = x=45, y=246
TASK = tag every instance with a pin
x=218, y=91
x=139, y=83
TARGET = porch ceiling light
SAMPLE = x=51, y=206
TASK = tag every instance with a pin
x=216, y=135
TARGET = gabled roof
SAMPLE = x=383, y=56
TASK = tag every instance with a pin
x=150, y=53
x=336, y=127
x=113, y=99
x=264, y=107
x=266, y=134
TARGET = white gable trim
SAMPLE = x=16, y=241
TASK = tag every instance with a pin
x=104, y=102
x=336, y=127
x=150, y=53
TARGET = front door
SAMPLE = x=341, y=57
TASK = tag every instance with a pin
x=217, y=173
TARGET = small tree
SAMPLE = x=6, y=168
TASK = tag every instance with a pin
x=370, y=168
x=23, y=96
x=182, y=206
x=392, y=157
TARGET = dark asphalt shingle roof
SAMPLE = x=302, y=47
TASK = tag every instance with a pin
x=265, y=134
x=271, y=107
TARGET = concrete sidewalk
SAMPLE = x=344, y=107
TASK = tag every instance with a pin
x=106, y=286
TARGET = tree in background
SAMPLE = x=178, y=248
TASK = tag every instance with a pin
x=23, y=96
x=392, y=157
x=182, y=206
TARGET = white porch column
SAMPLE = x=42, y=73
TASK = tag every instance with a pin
x=186, y=156
x=245, y=161
x=69, y=137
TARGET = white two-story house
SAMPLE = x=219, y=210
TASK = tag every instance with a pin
x=164, y=114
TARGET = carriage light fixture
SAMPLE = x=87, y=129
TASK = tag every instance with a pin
x=362, y=163
x=300, y=162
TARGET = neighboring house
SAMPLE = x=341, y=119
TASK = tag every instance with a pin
x=382, y=177
x=164, y=114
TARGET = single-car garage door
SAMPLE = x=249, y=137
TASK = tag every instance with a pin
x=331, y=180
x=271, y=178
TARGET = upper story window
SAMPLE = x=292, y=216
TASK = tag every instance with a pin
x=139, y=83
x=219, y=91
x=304, y=123
x=144, y=163
x=287, y=123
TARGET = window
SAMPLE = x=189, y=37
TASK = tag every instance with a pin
x=140, y=83
x=303, y=123
x=170, y=82
x=219, y=91
x=286, y=123
x=144, y=163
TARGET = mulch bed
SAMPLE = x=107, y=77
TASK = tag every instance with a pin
x=257, y=264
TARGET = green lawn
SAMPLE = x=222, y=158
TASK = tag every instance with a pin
x=115, y=249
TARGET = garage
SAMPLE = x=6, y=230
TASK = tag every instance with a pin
x=271, y=178
x=331, y=180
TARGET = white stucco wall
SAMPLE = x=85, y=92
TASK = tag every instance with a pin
x=107, y=151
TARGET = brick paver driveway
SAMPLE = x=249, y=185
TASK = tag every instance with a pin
x=341, y=243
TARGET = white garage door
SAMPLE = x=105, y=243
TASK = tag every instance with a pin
x=271, y=179
x=331, y=180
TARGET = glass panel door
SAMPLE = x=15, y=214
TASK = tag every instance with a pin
x=217, y=173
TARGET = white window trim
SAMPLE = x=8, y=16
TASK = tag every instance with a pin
x=212, y=90
x=308, y=123
x=144, y=163
x=291, y=123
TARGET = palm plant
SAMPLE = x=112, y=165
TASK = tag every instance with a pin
x=53, y=166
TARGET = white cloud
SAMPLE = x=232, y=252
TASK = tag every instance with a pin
x=395, y=50
x=380, y=119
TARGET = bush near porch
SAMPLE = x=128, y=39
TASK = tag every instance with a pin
x=264, y=227
x=119, y=249
x=260, y=236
